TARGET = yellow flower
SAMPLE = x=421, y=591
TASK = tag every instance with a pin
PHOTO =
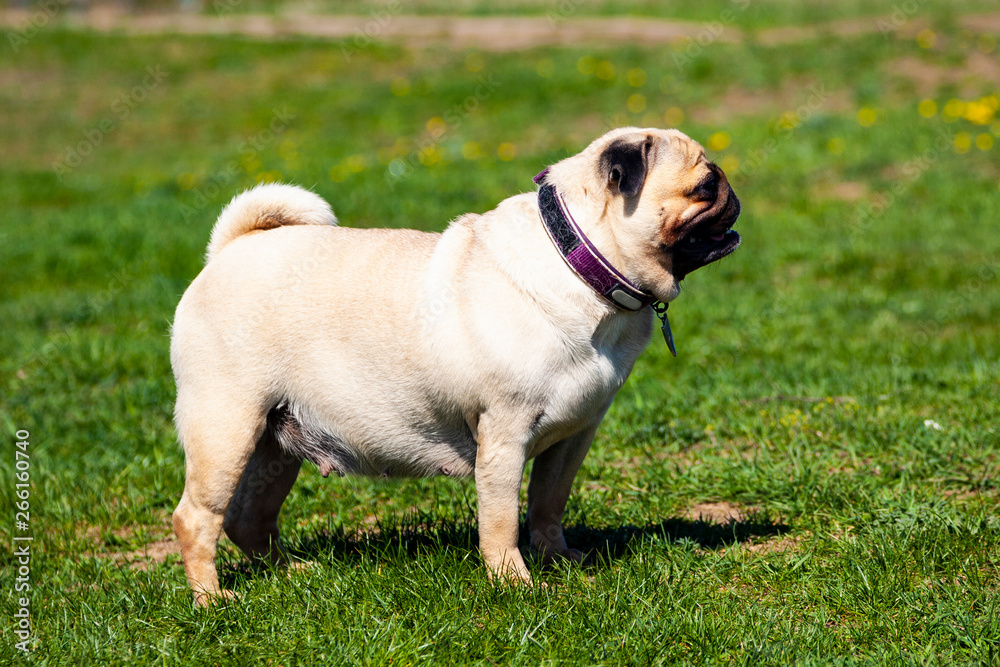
x=474, y=62
x=719, y=141
x=356, y=163
x=430, y=156
x=979, y=113
x=636, y=77
x=984, y=142
x=471, y=150
x=506, y=151
x=651, y=119
x=729, y=164
x=867, y=116
x=586, y=65
x=605, y=70
x=963, y=142
x=636, y=103
x=545, y=68
x=186, y=181
x=926, y=38
x=927, y=108
x=287, y=150
x=789, y=120
x=436, y=126
x=954, y=109
x=400, y=86
x=673, y=116
x=338, y=174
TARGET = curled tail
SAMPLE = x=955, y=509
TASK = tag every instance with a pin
x=266, y=207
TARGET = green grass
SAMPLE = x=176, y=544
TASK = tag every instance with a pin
x=751, y=14
x=741, y=13
x=809, y=360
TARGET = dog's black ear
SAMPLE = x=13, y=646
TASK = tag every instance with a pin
x=623, y=163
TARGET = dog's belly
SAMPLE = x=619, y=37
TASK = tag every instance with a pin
x=399, y=453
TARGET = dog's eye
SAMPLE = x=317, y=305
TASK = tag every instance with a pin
x=708, y=189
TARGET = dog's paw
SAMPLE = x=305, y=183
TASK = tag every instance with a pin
x=574, y=555
x=550, y=557
x=509, y=573
x=300, y=566
x=205, y=599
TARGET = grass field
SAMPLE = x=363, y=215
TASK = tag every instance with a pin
x=813, y=480
x=746, y=13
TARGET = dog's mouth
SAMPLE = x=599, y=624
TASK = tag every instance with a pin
x=708, y=237
x=693, y=251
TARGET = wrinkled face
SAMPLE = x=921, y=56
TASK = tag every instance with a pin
x=671, y=210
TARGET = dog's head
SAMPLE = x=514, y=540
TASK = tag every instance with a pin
x=655, y=203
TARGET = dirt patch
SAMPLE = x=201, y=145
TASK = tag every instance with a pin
x=849, y=190
x=981, y=22
x=828, y=187
x=153, y=554
x=775, y=546
x=158, y=544
x=791, y=103
x=721, y=512
x=979, y=70
x=839, y=28
x=730, y=516
x=489, y=33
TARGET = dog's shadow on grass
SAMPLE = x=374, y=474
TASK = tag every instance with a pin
x=610, y=544
x=603, y=546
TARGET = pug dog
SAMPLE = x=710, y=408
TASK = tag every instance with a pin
x=394, y=352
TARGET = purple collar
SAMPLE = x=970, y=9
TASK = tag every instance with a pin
x=580, y=254
x=589, y=264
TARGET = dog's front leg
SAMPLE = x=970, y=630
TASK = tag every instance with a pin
x=499, y=467
x=548, y=490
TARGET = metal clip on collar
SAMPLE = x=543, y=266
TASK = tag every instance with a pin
x=660, y=309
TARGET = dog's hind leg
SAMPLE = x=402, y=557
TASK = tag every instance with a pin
x=252, y=519
x=548, y=491
x=219, y=437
